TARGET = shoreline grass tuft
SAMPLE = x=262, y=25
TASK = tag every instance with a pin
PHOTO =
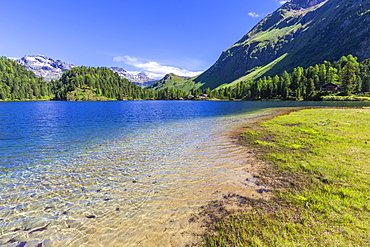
x=319, y=167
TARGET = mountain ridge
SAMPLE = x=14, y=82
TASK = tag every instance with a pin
x=141, y=78
x=51, y=69
x=299, y=33
x=175, y=81
x=44, y=66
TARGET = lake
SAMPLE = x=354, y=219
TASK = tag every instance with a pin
x=122, y=173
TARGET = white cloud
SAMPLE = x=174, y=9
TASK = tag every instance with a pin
x=254, y=14
x=13, y=58
x=282, y=2
x=154, y=69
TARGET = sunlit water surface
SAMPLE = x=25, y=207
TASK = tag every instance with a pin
x=118, y=173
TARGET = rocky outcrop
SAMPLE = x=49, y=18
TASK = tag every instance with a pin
x=305, y=3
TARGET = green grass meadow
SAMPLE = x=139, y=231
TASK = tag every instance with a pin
x=318, y=164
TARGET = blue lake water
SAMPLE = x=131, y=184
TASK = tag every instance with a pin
x=126, y=173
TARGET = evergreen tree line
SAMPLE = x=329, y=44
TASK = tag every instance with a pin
x=101, y=81
x=107, y=83
x=170, y=93
x=17, y=83
x=350, y=75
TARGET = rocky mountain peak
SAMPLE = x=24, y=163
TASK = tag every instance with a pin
x=300, y=4
x=51, y=69
x=306, y=3
x=45, y=67
x=118, y=69
x=140, y=78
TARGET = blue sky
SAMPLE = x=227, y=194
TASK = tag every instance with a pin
x=179, y=36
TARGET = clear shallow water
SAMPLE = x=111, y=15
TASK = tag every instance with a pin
x=117, y=173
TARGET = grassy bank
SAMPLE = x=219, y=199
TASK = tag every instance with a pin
x=318, y=166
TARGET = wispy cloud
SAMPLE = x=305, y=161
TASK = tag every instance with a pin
x=154, y=69
x=254, y=14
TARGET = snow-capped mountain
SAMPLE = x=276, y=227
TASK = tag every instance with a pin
x=51, y=69
x=139, y=78
x=45, y=67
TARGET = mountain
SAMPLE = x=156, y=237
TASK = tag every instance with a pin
x=17, y=83
x=45, y=67
x=140, y=79
x=89, y=83
x=299, y=33
x=326, y=81
x=51, y=69
x=174, y=81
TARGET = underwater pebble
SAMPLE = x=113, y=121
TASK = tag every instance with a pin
x=21, y=244
x=39, y=229
x=262, y=190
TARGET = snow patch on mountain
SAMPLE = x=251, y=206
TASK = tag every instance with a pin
x=138, y=77
x=45, y=67
x=51, y=69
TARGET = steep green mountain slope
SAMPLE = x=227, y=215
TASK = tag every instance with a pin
x=349, y=75
x=175, y=82
x=17, y=83
x=299, y=33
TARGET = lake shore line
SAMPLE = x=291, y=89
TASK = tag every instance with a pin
x=306, y=199
x=132, y=172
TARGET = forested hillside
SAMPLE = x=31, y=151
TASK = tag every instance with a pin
x=78, y=83
x=350, y=75
x=87, y=84
x=82, y=83
x=17, y=83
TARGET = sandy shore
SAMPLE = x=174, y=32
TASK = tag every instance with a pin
x=256, y=186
